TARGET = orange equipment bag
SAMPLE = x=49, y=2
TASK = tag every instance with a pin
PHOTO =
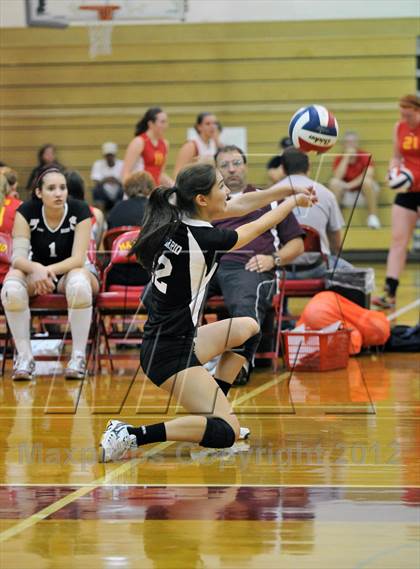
x=368, y=327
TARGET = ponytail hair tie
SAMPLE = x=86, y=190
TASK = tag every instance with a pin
x=172, y=199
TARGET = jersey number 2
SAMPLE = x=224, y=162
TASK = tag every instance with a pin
x=52, y=249
x=165, y=271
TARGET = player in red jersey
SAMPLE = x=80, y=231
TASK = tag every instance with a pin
x=8, y=207
x=406, y=208
x=148, y=150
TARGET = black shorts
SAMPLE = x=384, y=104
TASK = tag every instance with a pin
x=410, y=200
x=163, y=357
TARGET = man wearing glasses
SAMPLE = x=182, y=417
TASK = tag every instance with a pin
x=245, y=277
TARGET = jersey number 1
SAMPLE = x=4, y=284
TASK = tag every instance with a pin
x=165, y=271
x=52, y=249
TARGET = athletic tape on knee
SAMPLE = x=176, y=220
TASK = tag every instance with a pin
x=78, y=291
x=14, y=295
x=218, y=434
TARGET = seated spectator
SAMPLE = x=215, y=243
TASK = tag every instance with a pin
x=46, y=158
x=107, y=176
x=76, y=190
x=245, y=277
x=8, y=207
x=325, y=216
x=50, y=244
x=130, y=211
x=274, y=167
x=354, y=171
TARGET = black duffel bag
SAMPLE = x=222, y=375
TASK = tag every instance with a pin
x=404, y=339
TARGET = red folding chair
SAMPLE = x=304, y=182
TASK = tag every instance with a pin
x=118, y=300
x=112, y=234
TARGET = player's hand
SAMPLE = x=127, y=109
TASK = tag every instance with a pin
x=41, y=280
x=304, y=200
x=300, y=190
x=260, y=264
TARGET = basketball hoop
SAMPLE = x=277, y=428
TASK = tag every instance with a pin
x=100, y=32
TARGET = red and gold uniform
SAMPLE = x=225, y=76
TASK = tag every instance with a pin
x=154, y=157
x=409, y=147
x=7, y=219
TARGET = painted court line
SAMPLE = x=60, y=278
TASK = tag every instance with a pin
x=118, y=471
x=404, y=309
x=59, y=504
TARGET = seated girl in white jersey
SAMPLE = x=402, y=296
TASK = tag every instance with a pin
x=180, y=247
x=51, y=236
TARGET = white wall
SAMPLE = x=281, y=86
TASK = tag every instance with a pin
x=12, y=12
x=268, y=10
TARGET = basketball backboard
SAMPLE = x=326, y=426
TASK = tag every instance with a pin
x=62, y=13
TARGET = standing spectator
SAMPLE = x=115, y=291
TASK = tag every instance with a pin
x=325, y=217
x=76, y=190
x=246, y=276
x=107, y=176
x=274, y=165
x=354, y=171
x=8, y=207
x=46, y=157
x=148, y=150
x=202, y=146
x=137, y=189
x=406, y=208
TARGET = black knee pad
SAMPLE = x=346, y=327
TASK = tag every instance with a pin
x=218, y=434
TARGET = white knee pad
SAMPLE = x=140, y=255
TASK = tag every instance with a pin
x=78, y=291
x=14, y=295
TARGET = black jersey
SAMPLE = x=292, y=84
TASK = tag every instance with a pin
x=184, y=269
x=50, y=246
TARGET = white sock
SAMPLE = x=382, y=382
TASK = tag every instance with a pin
x=80, y=320
x=19, y=323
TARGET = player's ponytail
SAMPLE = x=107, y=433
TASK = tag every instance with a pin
x=166, y=208
x=143, y=124
x=160, y=219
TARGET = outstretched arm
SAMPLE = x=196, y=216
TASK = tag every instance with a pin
x=250, y=231
x=245, y=203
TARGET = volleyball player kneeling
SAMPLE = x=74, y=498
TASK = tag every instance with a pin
x=180, y=247
x=50, y=241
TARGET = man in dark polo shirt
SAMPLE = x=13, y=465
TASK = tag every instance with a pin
x=245, y=277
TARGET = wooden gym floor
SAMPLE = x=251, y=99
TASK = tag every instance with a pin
x=329, y=478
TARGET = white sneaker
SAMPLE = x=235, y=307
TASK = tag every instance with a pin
x=244, y=433
x=23, y=368
x=76, y=368
x=116, y=441
x=373, y=221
